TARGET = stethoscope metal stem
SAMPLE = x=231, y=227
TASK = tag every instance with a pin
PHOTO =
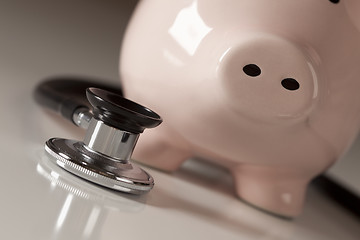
x=82, y=117
x=113, y=142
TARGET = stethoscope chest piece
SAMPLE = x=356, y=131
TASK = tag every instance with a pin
x=103, y=157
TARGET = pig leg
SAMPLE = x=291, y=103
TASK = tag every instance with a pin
x=271, y=188
x=160, y=148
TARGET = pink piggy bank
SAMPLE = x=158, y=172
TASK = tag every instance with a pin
x=269, y=89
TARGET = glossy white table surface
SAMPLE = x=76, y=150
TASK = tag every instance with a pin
x=40, y=39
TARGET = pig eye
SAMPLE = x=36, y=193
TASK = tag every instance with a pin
x=290, y=84
x=335, y=1
x=252, y=70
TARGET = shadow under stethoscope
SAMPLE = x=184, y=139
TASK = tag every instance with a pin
x=82, y=204
x=232, y=214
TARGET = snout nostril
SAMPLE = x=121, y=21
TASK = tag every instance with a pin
x=290, y=84
x=252, y=70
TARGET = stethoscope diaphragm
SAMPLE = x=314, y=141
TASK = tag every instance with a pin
x=74, y=157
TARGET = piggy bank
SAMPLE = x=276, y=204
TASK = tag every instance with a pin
x=268, y=89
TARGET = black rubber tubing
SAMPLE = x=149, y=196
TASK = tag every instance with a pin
x=64, y=95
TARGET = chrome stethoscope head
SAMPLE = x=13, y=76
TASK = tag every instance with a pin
x=103, y=157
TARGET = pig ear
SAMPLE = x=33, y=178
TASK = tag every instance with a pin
x=353, y=9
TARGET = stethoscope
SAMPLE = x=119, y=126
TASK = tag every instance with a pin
x=113, y=125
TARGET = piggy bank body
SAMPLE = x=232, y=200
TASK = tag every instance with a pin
x=268, y=89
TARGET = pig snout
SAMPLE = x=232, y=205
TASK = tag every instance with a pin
x=268, y=78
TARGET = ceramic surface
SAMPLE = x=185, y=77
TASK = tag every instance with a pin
x=268, y=89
